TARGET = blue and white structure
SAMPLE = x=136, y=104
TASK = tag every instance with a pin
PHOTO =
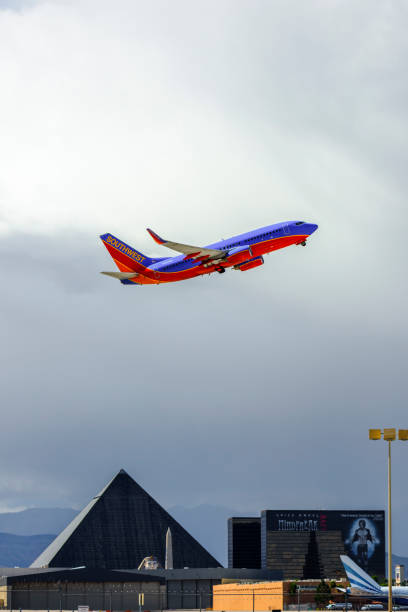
x=362, y=585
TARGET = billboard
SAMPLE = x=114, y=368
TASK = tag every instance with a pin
x=363, y=531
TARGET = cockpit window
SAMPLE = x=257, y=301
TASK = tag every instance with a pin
x=299, y=223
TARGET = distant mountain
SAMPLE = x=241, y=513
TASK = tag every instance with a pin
x=36, y=520
x=207, y=524
x=396, y=560
x=21, y=551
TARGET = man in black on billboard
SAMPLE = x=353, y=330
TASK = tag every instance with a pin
x=362, y=536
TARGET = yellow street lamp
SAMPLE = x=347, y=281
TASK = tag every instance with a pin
x=389, y=434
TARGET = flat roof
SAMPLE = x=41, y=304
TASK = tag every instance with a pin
x=216, y=573
x=84, y=574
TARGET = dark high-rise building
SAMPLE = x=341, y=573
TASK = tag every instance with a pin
x=307, y=544
x=244, y=542
x=119, y=528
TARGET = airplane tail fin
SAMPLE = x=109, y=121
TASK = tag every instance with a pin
x=358, y=578
x=127, y=258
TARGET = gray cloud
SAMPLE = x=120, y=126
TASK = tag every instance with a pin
x=204, y=120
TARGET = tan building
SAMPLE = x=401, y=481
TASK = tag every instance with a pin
x=256, y=596
x=265, y=596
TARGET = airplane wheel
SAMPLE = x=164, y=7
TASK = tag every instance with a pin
x=303, y=243
x=221, y=270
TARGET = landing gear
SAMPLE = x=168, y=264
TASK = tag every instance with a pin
x=220, y=270
x=303, y=243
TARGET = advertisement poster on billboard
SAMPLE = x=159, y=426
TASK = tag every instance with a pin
x=363, y=531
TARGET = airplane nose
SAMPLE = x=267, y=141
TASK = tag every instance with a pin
x=312, y=227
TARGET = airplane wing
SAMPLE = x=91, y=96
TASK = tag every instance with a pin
x=190, y=251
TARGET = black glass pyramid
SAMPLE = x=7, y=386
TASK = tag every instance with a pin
x=118, y=529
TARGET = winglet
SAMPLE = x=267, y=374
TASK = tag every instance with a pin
x=155, y=236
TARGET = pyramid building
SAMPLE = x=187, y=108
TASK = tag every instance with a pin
x=118, y=529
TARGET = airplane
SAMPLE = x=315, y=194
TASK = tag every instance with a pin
x=242, y=252
x=362, y=585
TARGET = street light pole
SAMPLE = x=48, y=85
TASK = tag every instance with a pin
x=389, y=532
x=389, y=435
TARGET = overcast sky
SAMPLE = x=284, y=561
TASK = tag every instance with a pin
x=203, y=120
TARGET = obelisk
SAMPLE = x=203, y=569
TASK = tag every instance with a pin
x=169, y=551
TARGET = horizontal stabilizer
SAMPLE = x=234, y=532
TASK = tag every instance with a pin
x=121, y=275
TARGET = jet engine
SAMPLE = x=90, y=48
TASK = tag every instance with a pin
x=250, y=263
